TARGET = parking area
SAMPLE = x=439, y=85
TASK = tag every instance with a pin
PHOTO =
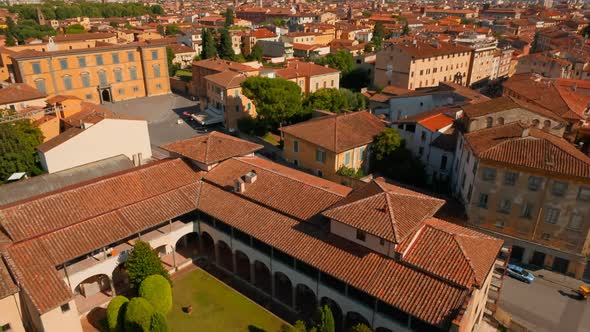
x=162, y=114
x=545, y=305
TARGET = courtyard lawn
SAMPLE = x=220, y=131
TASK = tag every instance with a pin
x=216, y=307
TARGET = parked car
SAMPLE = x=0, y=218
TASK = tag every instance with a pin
x=519, y=273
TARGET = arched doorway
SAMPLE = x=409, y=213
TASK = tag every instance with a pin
x=208, y=245
x=105, y=95
x=188, y=245
x=262, y=277
x=120, y=279
x=242, y=265
x=336, y=311
x=306, y=301
x=99, y=283
x=283, y=288
x=225, y=259
x=354, y=318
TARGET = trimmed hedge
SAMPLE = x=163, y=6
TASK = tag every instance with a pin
x=159, y=323
x=138, y=316
x=156, y=289
x=116, y=313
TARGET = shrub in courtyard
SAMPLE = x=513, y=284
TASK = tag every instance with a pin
x=116, y=313
x=143, y=262
x=138, y=316
x=159, y=323
x=361, y=328
x=156, y=289
x=326, y=320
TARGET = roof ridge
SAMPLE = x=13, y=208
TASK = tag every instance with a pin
x=455, y=237
x=391, y=217
x=244, y=159
x=546, y=138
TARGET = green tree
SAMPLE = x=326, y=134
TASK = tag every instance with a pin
x=226, y=50
x=209, y=47
x=340, y=60
x=326, y=320
x=277, y=100
x=160, y=29
x=143, y=262
x=332, y=100
x=159, y=323
x=406, y=29
x=356, y=79
x=18, y=141
x=128, y=26
x=75, y=29
x=229, y=17
x=172, y=30
x=138, y=316
x=256, y=54
x=156, y=289
x=378, y=35
x=116, y=313
x=157, y=10
x=386, y=143
x=114, y=24
x=10, y=41
x=360, y=328
x=172, y=67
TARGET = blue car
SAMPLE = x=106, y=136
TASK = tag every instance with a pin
x=521, y=274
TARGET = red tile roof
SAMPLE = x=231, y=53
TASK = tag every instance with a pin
x=392, y=282
x=19, y=92
x=296, y=69
x=338, y=133
x=385, y=210
x=296, y=194
x=212, y=147
x=517, y=145
x=263, y=33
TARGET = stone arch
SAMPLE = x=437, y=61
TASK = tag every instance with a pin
x=243, y=265
x=353, y=318
x=208, y=245
x=500, y=121
x=283, y=288
x=225, y=258
x=98, y=283
x=546, y=125
x=536, y=122
x=306, y=301
x=188, y=245
x=489, y=122
x=161, y=250
x=336, y=312
x=262, y=277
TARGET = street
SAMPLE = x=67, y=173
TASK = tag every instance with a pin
x=545, y=306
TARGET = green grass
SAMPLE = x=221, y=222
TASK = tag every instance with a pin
x=272, y=139
x=184, y=72
x=216, y=307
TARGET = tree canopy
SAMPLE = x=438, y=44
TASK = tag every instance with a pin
x=226, y=50
x=75, y=29
x=386, y=143
x=340, y=60
x=209, y=46
x=116, y=313
x=143, y=262
x=60, y=10
x=25, y=29
x=18, y=141
x=256, y=54
x=378, y=35
x=229, y=17
x=326, y=323
x=334, y=100
x=277, y=100
x=172, y=29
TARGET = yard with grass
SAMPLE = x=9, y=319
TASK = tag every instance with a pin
x=215, y=307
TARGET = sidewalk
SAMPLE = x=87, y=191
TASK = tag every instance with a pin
x=558, y=278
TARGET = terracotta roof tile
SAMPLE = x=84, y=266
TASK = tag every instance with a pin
x=7, y=285
x=385, y=210
x=212, y=147
x=515, y=144
x=338, y=133
x=19, y=92
x=280, y=188
x=296, y=69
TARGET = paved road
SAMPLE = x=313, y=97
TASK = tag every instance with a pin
x=162, y=114
x=544, y=306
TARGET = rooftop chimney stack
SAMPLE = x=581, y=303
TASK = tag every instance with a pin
x=251, y=177
x=239, y=185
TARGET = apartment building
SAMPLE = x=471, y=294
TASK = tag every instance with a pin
x=99, y=74
x=328, y=246
x=482, y=57
x=326, y=144
x=224, y=94
x=309, y=76
x=416, y=64
x=537, y=202
x=206, y=67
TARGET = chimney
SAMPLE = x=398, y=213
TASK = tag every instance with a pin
x=239, y=185
x=251, y=177
x=525, y=132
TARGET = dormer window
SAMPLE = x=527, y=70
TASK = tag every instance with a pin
x=361, y=235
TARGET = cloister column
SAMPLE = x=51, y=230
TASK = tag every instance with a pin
x=216, y=250
x=174, y=258
x=272, y=286
x=112, y=285
x=252, y=273
x=235, y=263
x=294, y=296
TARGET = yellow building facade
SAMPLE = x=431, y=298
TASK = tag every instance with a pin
x=98, y=75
